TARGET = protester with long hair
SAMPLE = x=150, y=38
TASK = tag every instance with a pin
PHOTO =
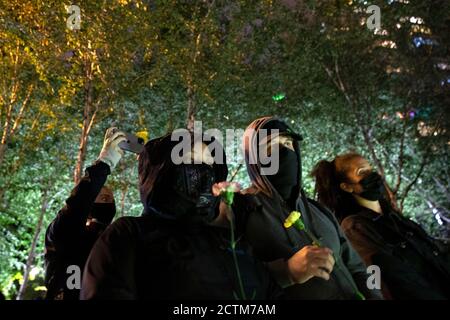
x=413, y=265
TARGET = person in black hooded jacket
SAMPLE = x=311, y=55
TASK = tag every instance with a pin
x=71, y=235
x=180, y=247
x=306, y=271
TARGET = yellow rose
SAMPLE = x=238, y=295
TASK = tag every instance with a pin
x=143, y=135
x=291, y=219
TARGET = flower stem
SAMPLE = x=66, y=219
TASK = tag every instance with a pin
x=233, y=246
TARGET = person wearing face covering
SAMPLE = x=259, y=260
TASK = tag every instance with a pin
x=180, y=247
x=413, y=265
x=304, y=270
x=88, y=210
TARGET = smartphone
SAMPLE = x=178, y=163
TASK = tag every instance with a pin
x=132, y=144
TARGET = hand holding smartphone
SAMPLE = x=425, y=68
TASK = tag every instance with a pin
x=132, y=144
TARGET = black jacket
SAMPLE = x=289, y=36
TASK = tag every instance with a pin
x=157, y=256
x=413, y=265
x=67, y=242
x=148, y=258
x=265, y=231
x=271, y=241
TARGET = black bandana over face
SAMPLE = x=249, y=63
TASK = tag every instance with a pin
x=373, y=188
x=286, y=179
x=103, y=212
x=188, y=195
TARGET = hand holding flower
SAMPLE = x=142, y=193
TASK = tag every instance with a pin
x=309, y=262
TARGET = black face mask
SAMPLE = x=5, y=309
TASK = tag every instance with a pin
x=103, y=212
x=190, y=193
x=286, y=179
x=373, y=187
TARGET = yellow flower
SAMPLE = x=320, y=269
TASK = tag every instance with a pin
x=291, y=219
x=143, y=135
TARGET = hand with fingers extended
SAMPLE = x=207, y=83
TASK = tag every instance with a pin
x=309, y=262
x=111, y=152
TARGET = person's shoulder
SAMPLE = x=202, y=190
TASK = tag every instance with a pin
x=319, y=206
x=316, y=205
x=129, y=230
x=350, y=220
x=123, y=221
x=355, y=221
x=123, y=225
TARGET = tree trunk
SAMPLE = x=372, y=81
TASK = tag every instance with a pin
x=82, y=147
x=88, y=118
x=11, y=125
x=2, y=151
x=5, y=135
x=336, y=78
x=12, y=100
x=191, y=109
x=122, y=200
x=31, y=255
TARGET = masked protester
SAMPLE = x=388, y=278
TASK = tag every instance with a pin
x=88, y=210
x=306, y=271
x=180, y=247
x=412, y=264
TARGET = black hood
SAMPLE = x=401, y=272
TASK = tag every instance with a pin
x=251, y=149
x=155, y=163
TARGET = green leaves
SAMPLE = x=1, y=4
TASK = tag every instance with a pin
x=332, y=79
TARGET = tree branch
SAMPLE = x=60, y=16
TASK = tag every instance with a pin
x=21, y=111
x=413, y=182
x=401, y=155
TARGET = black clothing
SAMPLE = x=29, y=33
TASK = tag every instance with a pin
x=67, y=241
x=413, y=265
x=167, y=255
x=186, y=192
x=103, y=212
x=285, y=180
x=149, y=258
x=271, y=241
x=373, y=187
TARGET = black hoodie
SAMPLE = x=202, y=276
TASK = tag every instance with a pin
x=67, y=241
x=156, y=256
x=271, y=241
